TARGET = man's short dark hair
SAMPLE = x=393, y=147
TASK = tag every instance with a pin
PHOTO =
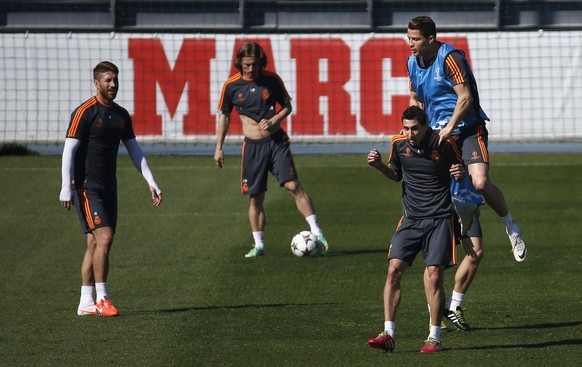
x=103, y=67
x=425, y=25
x=415, y=113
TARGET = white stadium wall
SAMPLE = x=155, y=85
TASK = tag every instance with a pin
x=345, y=87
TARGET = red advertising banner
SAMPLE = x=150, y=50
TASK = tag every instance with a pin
x=192, y=70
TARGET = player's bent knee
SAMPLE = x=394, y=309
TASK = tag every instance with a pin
x=294, y=187
x=480, y=183
x=479, y=254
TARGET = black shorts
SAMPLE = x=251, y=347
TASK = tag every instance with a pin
x=259, y=157
x=473, y=142
x=435, y=237
x=475, y=229
x=96, y=209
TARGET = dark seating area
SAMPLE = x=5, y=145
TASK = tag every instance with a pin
x=277, y=16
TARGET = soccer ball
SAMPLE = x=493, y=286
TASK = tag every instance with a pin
x=305, y=243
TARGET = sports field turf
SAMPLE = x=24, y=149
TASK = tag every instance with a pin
x=187, y=296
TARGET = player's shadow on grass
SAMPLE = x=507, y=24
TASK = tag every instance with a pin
x=525, y=345
x=533, y=326
x=233, y=307
x=529, y=345
x=356, y=252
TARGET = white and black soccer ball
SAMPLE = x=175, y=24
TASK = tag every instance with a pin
x=305, y=243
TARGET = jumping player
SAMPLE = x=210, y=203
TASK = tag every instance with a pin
x=441, y=82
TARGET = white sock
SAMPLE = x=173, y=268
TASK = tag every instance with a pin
x=101, y=289
x=390, y=327
x=456, y=300
x=435, y=332
x=87, y=298
x=313, y=224
x=259, y=237
x=510, y=225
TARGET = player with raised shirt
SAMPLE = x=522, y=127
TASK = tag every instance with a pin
x=255, y=92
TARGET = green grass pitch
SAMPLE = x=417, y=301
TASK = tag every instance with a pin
x=187, y=296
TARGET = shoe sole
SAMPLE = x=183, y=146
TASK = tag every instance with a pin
x=107, y=314
x=432, y=350
x=462, y=328
x=87, y=313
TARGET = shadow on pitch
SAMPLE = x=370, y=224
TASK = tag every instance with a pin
x=356, y=252
x=534, y=326
x=529, y=345
x=236, y=307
